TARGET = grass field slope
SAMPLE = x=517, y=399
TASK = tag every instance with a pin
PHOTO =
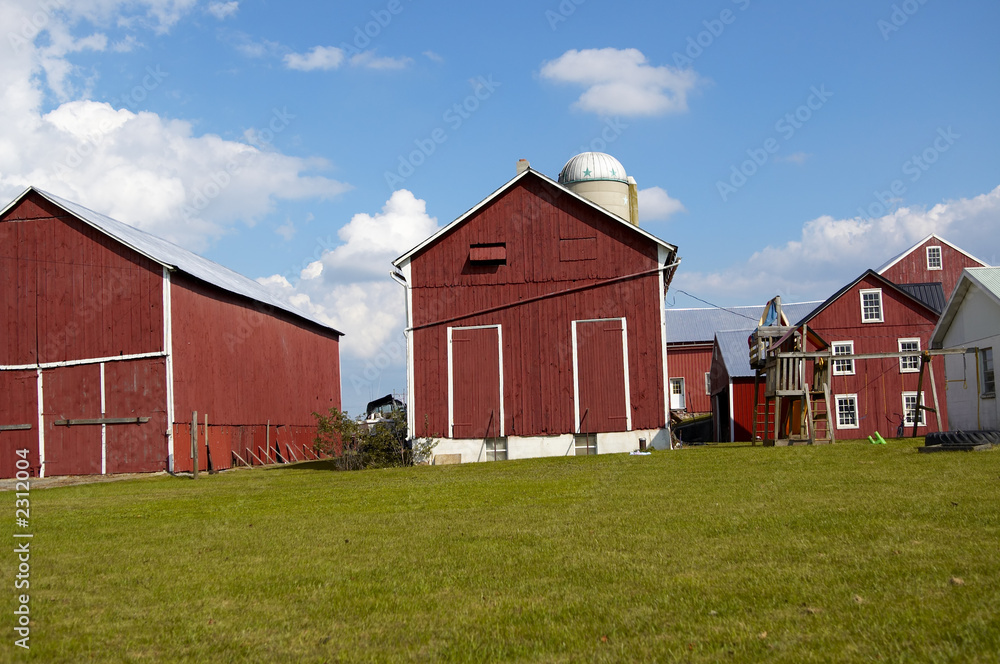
x=842, y=553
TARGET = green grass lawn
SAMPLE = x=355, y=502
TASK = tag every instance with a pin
x=850, y=552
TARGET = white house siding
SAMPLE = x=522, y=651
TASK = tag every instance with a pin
x=976, y=324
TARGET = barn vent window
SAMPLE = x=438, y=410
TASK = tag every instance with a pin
x=871, y=305
x=494, y=253
x=578, y=249
x=933, y=258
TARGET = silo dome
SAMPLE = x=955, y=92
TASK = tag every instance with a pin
x=589, y=166
x=601, y=179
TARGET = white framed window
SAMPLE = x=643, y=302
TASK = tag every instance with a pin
x=708, y=383
x=989, y=378
x=843, y=367
x=910, y=410
x=847, y=411
x=933, y=258
x=909, y=363
x=871, y=305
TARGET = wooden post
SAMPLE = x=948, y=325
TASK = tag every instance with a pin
x=829, y=414
x=937, y=406
x=194, y=445
x=917, y=410
x=208, y=450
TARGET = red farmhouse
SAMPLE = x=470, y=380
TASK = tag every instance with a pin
x=873, y=314
x=113, y=337
x=535, y=321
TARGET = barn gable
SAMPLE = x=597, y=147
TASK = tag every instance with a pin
x=932, y=260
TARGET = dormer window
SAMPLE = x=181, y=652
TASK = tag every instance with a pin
x=494, y=253
x=933, y=258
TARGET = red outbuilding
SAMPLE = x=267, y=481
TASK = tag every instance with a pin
x=535, y=321
x=112, y=338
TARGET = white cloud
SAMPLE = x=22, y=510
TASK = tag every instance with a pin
x=622, y=82
x=324, y=58
x=141, y=168
x=348, y=286
x=248, y=46
x=223, y=10
x=286, y=230
x=831, y=252
x=318, y=57
x=433, y=57
x=656, y=205
x=797, y=158
x=368, y=60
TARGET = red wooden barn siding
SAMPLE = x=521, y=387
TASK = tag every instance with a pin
x=743, y=414
x=912, y=268
x=537, y=341
x=692, y=363
x=879, y=383
x=243, y=364
x=70, y=293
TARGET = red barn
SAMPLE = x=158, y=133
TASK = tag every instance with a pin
x=113, y=337
x=535, y=321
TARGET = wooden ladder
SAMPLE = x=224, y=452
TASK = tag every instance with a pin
x=819, y=417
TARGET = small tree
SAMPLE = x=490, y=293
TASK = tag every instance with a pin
x=355, y=445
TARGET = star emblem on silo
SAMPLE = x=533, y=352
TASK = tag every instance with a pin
x=586, y=173
x=613, y=172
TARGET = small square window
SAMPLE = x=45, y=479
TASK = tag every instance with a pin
x=910, y=410
x=585, y=443
x=871, y=305
x=843, y=367
x=847, y=411
x=933, y=258
x=989, y=378
x=496, y=449
x=909, y=363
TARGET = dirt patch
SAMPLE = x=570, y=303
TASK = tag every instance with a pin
x=70, y=480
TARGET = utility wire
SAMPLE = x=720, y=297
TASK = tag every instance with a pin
x=715, y=306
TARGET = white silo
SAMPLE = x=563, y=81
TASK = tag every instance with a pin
x=601, y=179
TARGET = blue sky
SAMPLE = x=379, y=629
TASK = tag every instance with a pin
x=783, y=146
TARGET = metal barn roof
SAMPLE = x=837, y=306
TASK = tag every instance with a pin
x=701, y=324
x=931, y=294
x=735, y=352
x=172, y=256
